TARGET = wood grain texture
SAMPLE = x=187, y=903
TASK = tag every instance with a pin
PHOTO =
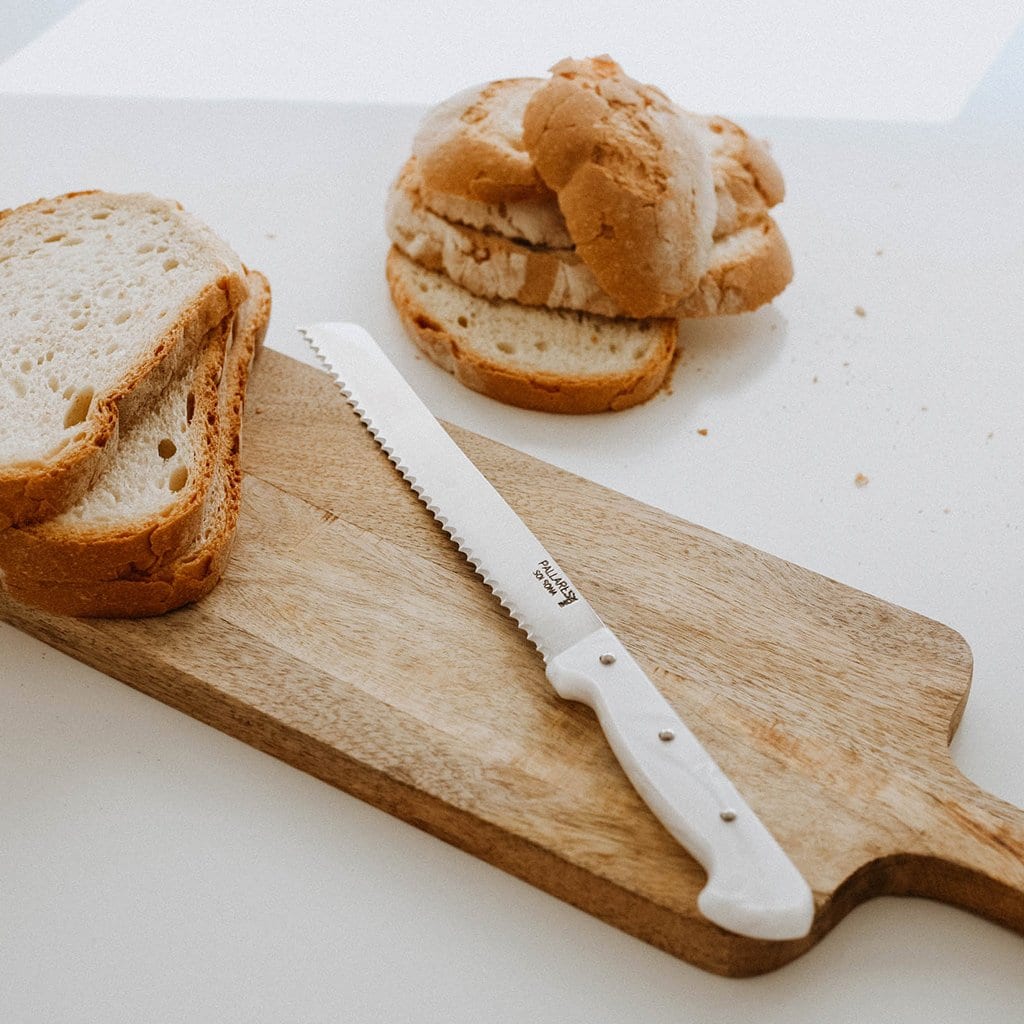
x=350, y=639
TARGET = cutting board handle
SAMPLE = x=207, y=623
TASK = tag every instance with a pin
x=970, y=854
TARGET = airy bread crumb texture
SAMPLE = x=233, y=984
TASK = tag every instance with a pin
x=88, y=282
x=197, y=568
x=155, y=460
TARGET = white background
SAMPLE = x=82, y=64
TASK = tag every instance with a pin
x=873, y=60
x=154, y=870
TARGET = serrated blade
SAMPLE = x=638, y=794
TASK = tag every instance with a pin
x=505, y=554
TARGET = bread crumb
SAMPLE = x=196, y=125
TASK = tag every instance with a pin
x=860, y=311
x=703, y=431
x=860, y=480
x=878, y=252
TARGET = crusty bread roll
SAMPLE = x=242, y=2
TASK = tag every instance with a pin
x=535, y=221
x=747, y=179
x=633, y=181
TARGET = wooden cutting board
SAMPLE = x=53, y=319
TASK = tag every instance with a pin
x=350, y=639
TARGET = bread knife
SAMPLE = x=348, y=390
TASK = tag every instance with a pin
x=752, y=887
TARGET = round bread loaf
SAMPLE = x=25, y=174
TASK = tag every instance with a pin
x=633, y=181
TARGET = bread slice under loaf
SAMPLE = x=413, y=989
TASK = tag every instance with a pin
x=146, y=505
x=545, y=359
x=745, y=269
x=196, y=571
x=102, y=298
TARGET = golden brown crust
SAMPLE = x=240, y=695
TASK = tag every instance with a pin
x=193, y=574
x=129, y=598
x=747, y=180
x=745, y=269
x=33, y=492
x=633, y=181
x=541, y=391
x=743, y=283
x=469, y=145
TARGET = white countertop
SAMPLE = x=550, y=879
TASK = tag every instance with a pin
x=152, y=869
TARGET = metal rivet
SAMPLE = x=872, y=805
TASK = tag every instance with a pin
x=727, y=815
x=607, y=659
x=666, y=735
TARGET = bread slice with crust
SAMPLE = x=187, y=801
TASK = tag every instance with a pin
x=103, y=298
x=633, y=181
x=535, y=358
x=746, y=268
x=197, y=569
x=146, y=505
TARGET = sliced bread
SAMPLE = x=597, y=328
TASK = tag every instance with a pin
x=746, y=268
x=195, y=571
x=103, y=298
x=547, y=359
x=633, y=181
x=146, y=505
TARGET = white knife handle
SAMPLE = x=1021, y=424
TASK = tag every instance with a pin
x=752, y=888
